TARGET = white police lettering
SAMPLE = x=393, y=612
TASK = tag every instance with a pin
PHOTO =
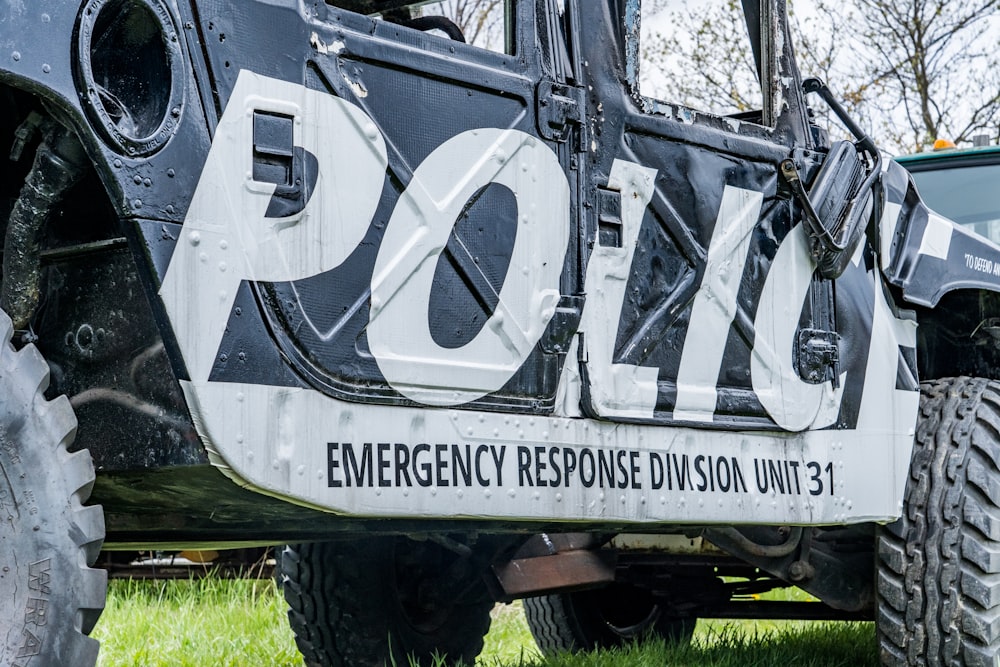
x=617, y=390
x=715, y=304
x=405, y=460
x=631, y=390
x=227, y=237
x=409, y=358
x=792, y=403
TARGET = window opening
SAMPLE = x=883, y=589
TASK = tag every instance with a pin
x=697, y=54
x=487, y=24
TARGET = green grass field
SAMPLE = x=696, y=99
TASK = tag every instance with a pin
x=236, y=623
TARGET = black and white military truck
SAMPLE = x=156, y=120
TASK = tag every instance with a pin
x=464, y=324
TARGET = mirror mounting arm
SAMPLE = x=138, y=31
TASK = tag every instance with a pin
x=841, y=198
x=865, y=143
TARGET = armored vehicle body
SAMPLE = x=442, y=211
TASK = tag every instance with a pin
x=462, y=322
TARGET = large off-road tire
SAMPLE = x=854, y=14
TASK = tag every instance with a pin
x=375, y=602
x=939, y=565
x=49, y=597
x=601, y=618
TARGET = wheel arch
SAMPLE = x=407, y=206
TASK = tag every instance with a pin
x=960, y=336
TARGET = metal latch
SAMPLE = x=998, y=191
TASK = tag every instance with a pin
x=819, y=356
x=609, y=218
x=566, y=320
x=292, y=169
x=559, y=107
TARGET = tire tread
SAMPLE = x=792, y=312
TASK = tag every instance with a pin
x=59, y=483
x=938, y=581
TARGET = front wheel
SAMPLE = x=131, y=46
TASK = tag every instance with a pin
x=939, y=564
x=602, y=618
x=49, y=597
x=382, y=601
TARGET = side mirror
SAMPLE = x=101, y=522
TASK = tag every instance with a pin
x=842, y=195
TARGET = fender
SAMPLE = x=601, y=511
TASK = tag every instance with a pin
x=925, y=254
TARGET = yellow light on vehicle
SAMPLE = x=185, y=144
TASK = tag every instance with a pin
x=943, y=144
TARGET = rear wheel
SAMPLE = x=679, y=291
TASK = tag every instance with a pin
x=51, y=598
x=380, y=601
x=939, y=564
x=602, y=618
